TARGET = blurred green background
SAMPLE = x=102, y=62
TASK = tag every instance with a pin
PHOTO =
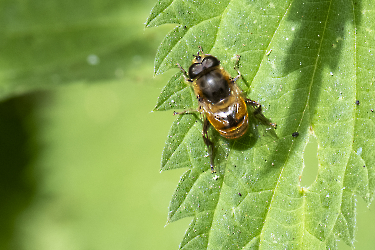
x=80, y=157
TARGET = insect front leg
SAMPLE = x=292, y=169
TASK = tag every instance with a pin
x=209, y=144
x=200, y=50
x=186, y=76
x=237, y=69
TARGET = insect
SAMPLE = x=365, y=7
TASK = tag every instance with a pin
x=220, y=99
x=295, y=134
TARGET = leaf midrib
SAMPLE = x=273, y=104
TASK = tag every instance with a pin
x=267, y=216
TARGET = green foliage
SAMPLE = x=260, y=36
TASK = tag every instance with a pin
x=307, y=63
x=46, y=44
x=73, y=171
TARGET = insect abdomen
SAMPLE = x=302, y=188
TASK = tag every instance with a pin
x=230, y=121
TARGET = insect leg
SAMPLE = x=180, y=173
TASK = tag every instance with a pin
x=188, y=111
x=254, y=104
x=200, y=50
x=258, y=112
x=237, y=69
x=208, y=143
x=184, y=74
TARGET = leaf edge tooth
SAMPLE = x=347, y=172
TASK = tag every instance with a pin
x=153, y=17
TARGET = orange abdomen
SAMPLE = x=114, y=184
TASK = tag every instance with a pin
x=232, y=120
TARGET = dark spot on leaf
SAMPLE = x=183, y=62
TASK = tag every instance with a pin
x=295, y=134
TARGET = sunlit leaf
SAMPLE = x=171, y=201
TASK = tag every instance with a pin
x=307, y=63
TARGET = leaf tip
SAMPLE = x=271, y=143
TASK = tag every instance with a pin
x=167, y=223
x=156, y=108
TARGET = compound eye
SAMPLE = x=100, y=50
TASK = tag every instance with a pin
x=195, y=70
x=210, y=61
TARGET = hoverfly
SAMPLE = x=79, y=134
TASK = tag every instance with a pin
x=220, y=99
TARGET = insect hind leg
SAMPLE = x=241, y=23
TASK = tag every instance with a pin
x=209, y=144
x=254, y=104
x=258, y=112
x=206, y=139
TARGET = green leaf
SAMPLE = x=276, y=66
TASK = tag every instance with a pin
x=307, y=63
x=50, y=43
x=176, y=95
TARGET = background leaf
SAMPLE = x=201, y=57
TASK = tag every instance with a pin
x=73, y=169
x=307, y=63
x=55, y=43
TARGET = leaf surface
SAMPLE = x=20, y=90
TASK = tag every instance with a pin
x=307, y=63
